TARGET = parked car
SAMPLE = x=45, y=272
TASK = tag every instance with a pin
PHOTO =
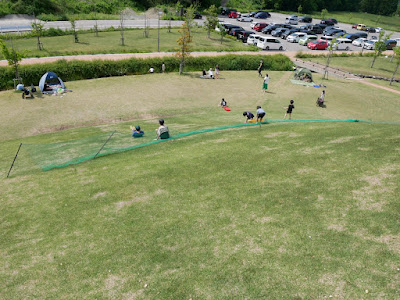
x=307, y=39
x=362, y=34
x=228, y=27
x=314, y=28
x=234, y=14
x=235, y=31
x=197, y=15
x=277, y=32
x=244, y=34
x=293, y=20
x=369, y=45
x=327, y=39
x=327, y=22
x=305, y=19
x=245, y=19
x=342, y=44
x=253, y=13
x=309, y=32
x=268, y=29
x=318, y=45
x=226, y=11
x=294, y=37
x=361, y=27
x=378, y=29
x=370, y=29
x=334, y=21
x=390, y=44
x=288, y=32
x=397, y=41
x=262, y=15
x=351, y=36
x=354, y=26
x=252, y=39
x=329, y=28
x=268, y=43
x=359, y=42
x=259, y=26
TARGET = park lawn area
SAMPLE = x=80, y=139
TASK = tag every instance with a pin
x=282, y=210
x=395, y=85
x=386, y=22
x=361, y=65
x=135, y=42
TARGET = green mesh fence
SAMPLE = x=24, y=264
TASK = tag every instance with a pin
x=63, y=154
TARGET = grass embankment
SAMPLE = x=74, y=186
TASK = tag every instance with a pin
x=285, y=210
x=110, y=42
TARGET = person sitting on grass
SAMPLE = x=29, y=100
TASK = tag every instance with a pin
x=260, y=114
x=136, y=132
x=248, y=115
x=162, y=131
x=223, y=103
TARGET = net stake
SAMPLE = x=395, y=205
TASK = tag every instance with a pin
x=104, y=144
x=14, y=160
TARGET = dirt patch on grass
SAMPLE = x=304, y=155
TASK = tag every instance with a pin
x=276, y=134
x=334, y=281
x=101, y=194
x=391, y=241
x=306, y=171
x=122, y=204
x=113, y=284
x=336, y=227
x=266, y=148
x=341, y=140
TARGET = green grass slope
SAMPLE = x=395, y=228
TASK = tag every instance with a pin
x=285, y=210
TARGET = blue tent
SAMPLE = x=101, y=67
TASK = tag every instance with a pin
x=52, y=80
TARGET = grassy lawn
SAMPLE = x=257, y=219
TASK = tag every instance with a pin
x=109, y=42
x=387, y=23
x=285, y=210
x=361, y=65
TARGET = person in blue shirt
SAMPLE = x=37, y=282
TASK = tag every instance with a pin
x=136, y=132
x=260, y=114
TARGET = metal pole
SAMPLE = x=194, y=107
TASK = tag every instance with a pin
x=14, y=160
x=104, y=145
x=158, y=41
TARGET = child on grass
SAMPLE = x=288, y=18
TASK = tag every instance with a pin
x=289, y=110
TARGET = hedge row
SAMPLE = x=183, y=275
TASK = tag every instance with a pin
x=78, y=70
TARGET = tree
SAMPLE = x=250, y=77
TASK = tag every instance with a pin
x=37, y=30
x=330, y=49
x=324, y=13
x=121, y=22
x=211, y=19
x=396, y=54
x=380, y=45
x=183, y=50
x=12, y=56
x=222, y=32
x=300, y=9
x=189, y=17
x=74, y=31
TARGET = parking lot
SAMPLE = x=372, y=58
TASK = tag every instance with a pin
x=281, y=18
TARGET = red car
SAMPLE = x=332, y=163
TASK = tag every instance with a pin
x=260, y=26
x=234, y=14
x=317, y=45
x=354, y=26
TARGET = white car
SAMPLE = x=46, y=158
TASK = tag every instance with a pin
x=359, y=42
x=294, y=37
x=307, y=39
x=342, y=44
x=327, y=38
x=378, y=29
x=292, y=20
x=369, y=45
x=253, y=39
x=245, y=19
x=268, y=43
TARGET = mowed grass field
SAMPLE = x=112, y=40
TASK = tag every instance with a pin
x=135, y=41
x=285, y=210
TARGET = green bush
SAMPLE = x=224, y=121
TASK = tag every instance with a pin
x=79, y=70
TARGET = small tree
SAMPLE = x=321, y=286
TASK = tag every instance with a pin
x=328, y=60
x=74, y=31
x=222, y=32
x=95, y=27
x=300, y=9
x=189, y=17
x=121, y=25
x=211, y=19
x=324, y=13
x=396, y=54
x=37, y=30
x=380, y=46
x=12, y=56
x=183, y=50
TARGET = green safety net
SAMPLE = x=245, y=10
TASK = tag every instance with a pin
x=63, y=154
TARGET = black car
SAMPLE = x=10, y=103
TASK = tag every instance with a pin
x=333, y=20
x=226, y=11
x=288, y=32
x=307, y=31
x=197, y=15
x=323, y=26
x=305, y=19
x=352, y=36
x=262, y=15
x=329, y=28
x=335, y=32
x=243, y=35
x=253, y=13
x=270, y=28
x=235, y=30
x=370, y=29
x=362, y=35
x=228, y=27
x=314, y=28
x=390, y=44
x=327, y=22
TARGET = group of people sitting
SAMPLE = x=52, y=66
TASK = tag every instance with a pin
x=210, y=73
x=162, y=131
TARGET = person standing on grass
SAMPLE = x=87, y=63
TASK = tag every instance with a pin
x=260, y=67
x=216, y=72
x=289, y=110
x=260, y=114
x=248, y=115
x=265, y=84
x=322, y=97
x=163, y=67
